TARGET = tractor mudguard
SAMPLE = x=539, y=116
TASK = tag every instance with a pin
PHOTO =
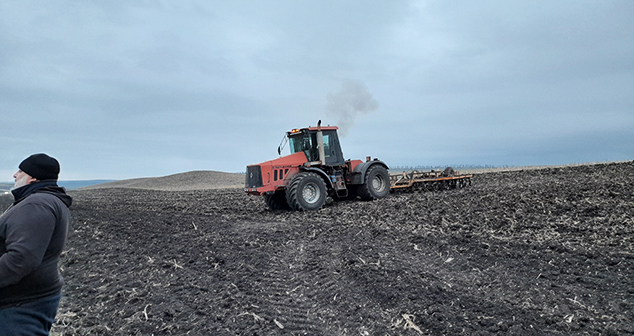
x=358, y=175
x=321, y=173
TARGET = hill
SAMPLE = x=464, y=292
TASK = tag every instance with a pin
x=194, y=180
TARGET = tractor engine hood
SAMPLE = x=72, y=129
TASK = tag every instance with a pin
x=268, y=176
x=288, y=160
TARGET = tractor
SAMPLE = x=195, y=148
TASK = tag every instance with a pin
x=314, y=171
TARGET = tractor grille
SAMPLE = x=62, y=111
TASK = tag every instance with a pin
x=254, y=177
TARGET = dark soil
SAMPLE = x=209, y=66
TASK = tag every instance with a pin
x=535, y=252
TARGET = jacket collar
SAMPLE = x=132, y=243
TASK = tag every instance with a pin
x=23, y=192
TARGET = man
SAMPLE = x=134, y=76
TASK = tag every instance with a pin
x=32, y=235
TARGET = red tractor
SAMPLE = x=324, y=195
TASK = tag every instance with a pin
x=314, y=170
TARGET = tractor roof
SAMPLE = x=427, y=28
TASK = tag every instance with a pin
x=313, y=128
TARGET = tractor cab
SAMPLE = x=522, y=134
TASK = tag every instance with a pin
x=307, y=140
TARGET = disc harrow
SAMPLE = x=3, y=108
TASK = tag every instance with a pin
x=419, y=181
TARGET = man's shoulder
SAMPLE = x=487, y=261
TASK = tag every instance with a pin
x=59, y=193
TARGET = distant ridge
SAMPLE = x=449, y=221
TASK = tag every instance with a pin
x=194, y=180
x=5, y=187
x=481, y=169
x=71, y=185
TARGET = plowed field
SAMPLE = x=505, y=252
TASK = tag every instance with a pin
x=533, y=252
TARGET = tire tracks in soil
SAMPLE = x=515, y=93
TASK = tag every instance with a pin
x=298, y=290
x=287, y=292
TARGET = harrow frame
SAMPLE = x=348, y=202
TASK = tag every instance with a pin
x=429, y=180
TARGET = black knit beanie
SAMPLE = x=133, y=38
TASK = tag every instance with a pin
x=41, y=167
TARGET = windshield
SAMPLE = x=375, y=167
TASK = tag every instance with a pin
x=295, y=142
x=304, y=142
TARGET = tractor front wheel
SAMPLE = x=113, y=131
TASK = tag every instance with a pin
x=277, y=201
x=306, y=192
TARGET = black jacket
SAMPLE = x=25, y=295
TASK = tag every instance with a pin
x=32, y=235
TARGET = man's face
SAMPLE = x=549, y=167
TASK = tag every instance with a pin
x=22, y=179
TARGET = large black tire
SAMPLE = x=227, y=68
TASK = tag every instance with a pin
x=277, y=201
x=376, y=185
x=307, y=192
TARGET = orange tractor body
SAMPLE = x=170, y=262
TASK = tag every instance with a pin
x=315, y=170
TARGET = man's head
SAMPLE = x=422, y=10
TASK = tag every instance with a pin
x=40, y=167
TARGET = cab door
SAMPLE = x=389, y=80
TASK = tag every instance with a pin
x=332, y=149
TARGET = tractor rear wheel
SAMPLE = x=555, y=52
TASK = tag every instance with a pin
x=277, y=201
x=306, y=192
x=377, y=183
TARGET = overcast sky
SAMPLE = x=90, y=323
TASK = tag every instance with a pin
x=125, y=89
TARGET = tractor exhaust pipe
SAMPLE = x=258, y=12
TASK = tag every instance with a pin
x=320, y=144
